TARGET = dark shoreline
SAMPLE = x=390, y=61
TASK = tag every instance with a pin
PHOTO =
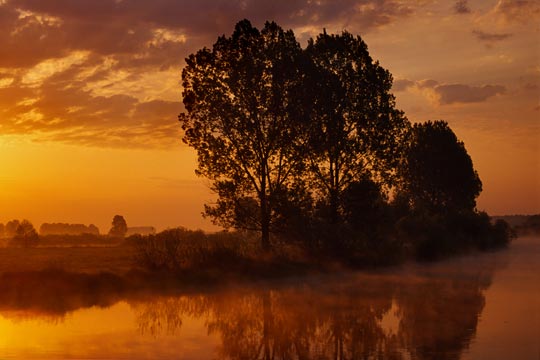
x=56, y=292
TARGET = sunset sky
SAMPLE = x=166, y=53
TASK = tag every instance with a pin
x=90, y=93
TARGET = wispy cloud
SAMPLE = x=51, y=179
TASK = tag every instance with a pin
x=462, y=7
x=447, y=94
x=490, y=38
x=402, y=84
x=518, y=10
x=460, y=93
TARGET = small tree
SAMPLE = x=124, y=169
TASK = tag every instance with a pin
x=437, y=173
x=119, y=227
x=11, y=228
x=93, y=229
x=25, y=235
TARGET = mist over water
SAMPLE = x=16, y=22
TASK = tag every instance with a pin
x=473, y=307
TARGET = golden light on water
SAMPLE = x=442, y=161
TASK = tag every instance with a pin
x=474, y=307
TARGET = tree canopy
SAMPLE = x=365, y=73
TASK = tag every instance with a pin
x=356, y=129
x=245, y=115
x=301, y=136
x=119, y=227
x=437, y=173
x=25, y=234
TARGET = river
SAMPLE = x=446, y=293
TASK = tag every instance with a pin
x=485, y=306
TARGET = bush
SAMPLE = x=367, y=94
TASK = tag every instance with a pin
x=531, y=226
x=179, y=249
x=432, y=236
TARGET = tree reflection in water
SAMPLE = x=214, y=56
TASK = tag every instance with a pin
x=437, y=308
x=334, y=319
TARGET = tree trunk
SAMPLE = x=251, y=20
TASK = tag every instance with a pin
x=265, y=224
x=334, y=206
x=265, y=214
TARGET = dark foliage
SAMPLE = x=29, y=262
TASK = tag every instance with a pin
x=78, y=240
x=25, y=235
x=67, y=229
x=179, y=249
x=307, y=144
x=531, y=225
x=432, y=236
x=119, y=227
x=10, y=228
x=437, y=174
x=244, y=118
x=356, y=131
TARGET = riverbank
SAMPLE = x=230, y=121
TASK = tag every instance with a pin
x=58, y=280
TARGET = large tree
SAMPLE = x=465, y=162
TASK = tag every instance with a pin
x=437, y=173
x=244, y=116
x=357, y=132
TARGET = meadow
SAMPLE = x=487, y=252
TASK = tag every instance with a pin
x=115, y=258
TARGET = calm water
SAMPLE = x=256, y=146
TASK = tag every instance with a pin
x=483, y=307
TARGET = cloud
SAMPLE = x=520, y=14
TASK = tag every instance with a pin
x=462, y=7
x=30, y=36
x=533, y=87
x=517, y=10
x=153, y=29
x=90, y=72
x=446, y=94
x=63, y=109
x=402, y=84
x=490, y=38
x=459, y=93
x=428, y=83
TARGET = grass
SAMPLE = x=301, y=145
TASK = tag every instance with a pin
x=117, y=259
x=195, y=257
x=176, y=257
x=54, y=280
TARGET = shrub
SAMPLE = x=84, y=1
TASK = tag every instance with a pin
x=432, y=236
x=179, y=249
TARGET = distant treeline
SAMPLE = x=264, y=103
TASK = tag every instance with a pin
x=67, y=229
x=522, y=224
x=140, y=230
x=80, y=229
x=23, y=233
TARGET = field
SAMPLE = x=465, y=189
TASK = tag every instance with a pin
x=116, y=259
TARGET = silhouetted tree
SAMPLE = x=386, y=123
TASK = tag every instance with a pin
x=364, y=205
x=67, y=229
x=11, y=228
x=244, y=115
x=25, y=234
x=531, y=225
x=2, y=230
x=356, y=129
x=93, y=229
x=437, y=173
x=119, y=227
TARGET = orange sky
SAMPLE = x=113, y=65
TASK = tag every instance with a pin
x=90, y=93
